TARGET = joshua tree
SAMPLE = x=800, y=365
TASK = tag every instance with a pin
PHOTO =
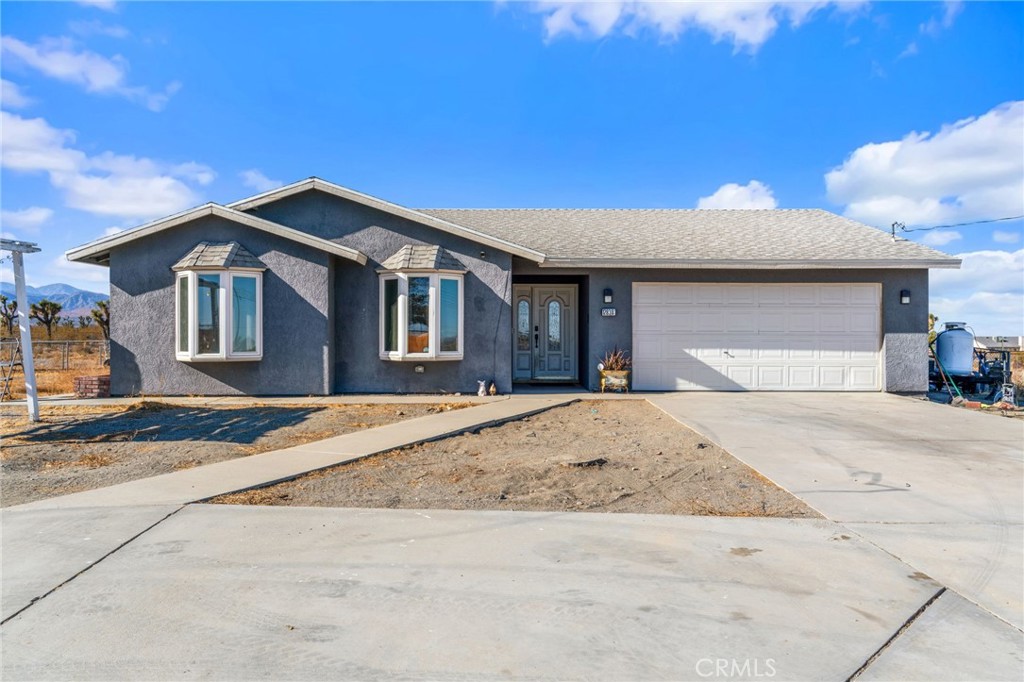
x=932, y=321
x=101, y=313
x=9, y=313
x=67, y=322
x=84, y=321
x=47, y=313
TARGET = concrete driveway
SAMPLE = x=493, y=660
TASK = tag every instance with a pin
x=939, y=488
x=919, y=582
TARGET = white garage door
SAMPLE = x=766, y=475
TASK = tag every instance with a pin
x=762, y=337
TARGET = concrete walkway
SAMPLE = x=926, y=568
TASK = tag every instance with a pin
x=937, y=487
x=49, y=541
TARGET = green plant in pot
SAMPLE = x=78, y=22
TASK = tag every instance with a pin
x=614, y=368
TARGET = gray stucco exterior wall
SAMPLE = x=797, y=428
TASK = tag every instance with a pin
x=904, y=327
x=487, y=344
x=320, y=313
x=296, y=308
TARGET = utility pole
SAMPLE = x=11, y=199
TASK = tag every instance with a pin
x=18, y=250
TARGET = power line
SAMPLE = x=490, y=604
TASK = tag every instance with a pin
x=903, y=227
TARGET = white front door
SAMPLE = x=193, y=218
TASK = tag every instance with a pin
x=544, y=333
x=762, y=337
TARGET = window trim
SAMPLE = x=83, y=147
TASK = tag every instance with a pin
x=402, y=353
x=225, y=329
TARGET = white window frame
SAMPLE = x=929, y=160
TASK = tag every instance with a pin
x=225, y=330
x=402, y=354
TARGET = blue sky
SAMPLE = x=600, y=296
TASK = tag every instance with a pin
x=115, y=113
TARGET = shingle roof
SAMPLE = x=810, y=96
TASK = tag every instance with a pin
x=692, y=235
x=218, y=255
x=417, y=257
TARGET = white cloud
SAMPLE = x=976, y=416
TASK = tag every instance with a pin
x=11, y=96
x=98, y=28
x=987, y=292
x=937, y=25
x=747, y=25
x=970, y=170
x=27, y=219
x=104, y=184
x=940, y=237
x=909, y=51
x=114, y=229
x=1003, y=237
x=108, y=5
x=256, y=180
x=754, y=194
x=61, y=59
x=60, y=269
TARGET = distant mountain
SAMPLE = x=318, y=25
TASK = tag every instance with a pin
x=73, y=301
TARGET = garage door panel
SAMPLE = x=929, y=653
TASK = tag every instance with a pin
x=864, y=295
x=649, y=295
x=648, y=320
x=863, y=378
x=832, y=322
x=801, y=377
x=832, y=377
x=771, y=320
x=648, y=348
x=740, y=321
x=801, y=322
x=834, y=295
x=771, y=296
x=799, y=295
x=756, y=337
x=710, y=294
x=678, y=295
x=710, y=321
x=679, y=321
x=863, y=321
x=740, y=295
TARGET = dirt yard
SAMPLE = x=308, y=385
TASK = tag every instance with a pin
x=80, y=448
x=598, y=456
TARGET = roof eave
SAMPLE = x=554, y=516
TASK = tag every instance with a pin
x=750, y=264
x=98, y=251
x=388, y=207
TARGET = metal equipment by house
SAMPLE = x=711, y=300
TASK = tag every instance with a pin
x=958, y=367
x=8, y=366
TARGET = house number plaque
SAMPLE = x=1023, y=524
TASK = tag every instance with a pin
x=607, y=312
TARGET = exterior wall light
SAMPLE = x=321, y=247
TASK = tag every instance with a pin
x=905, y=297
x=607, y=295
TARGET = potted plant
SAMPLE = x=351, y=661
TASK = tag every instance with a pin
x=614, y=368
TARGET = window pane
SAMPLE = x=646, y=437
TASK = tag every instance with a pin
x=183, y=314
x=208, y=314
x=391, y=315
x=554, y=326
x=243, y=314
x=523, y=326
x=449, y=316
x=419, y=314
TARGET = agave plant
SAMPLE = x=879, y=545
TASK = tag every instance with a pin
x=616, y=360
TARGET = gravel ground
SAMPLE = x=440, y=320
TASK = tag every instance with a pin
x=80, y=448
x=600, y=456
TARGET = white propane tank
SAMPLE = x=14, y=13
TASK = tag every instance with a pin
x=954, y=349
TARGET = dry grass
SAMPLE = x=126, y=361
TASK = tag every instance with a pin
x=52, y=382
x=87, y=461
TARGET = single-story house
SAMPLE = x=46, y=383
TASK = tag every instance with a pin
x=314, y=288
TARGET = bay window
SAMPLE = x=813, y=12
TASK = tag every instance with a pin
x=219, y=315
x=421, y=316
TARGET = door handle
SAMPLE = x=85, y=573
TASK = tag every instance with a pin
x=536, y=340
